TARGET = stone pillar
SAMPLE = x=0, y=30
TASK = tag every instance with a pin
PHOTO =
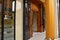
x=31, y=23
x=49, y=19
x=39, y=21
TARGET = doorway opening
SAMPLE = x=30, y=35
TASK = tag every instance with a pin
x=33, y=19
x=37, y=21
x=7, y=20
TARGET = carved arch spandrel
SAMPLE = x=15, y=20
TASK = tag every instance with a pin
x=34, y=7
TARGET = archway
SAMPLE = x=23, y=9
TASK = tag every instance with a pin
x=36, y=9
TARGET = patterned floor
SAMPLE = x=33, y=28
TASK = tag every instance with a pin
x=38, y=36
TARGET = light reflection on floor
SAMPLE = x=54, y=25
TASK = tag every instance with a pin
x=38, y=36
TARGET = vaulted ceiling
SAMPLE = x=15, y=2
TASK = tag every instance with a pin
x=35, y=4
x=37, y=1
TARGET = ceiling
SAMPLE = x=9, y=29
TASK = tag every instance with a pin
x=35, y=5
x=37, y=2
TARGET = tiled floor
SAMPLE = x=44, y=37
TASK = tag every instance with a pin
x=38, y=36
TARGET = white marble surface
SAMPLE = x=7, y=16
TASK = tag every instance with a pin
x=38, y=36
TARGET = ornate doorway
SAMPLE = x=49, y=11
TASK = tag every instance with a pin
x=7, y=19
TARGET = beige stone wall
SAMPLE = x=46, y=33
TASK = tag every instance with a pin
x=19, y=22
x=56, y=7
